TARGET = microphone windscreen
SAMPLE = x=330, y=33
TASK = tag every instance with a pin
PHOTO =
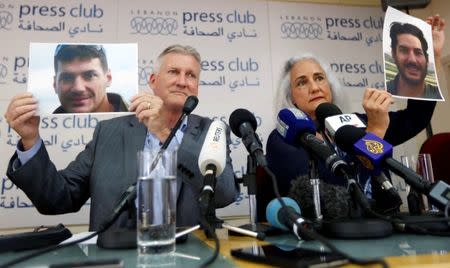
x=190, y=104
x=214, y=149
x=325, y=110
x=240, y=116
x=273, y=209
x=334, y=199
x=347, y=136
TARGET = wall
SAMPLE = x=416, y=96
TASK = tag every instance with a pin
x=242, y=54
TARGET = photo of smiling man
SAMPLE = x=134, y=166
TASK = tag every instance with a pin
x=408, y=70
x=83, y=78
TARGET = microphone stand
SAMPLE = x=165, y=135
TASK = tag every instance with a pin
x=315, y=182
x=249, y=180
x=210, y=222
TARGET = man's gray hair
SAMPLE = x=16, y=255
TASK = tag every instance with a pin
x=283, y=98
x=177, y=49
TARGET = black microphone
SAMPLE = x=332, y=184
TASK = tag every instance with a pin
x=189, y=105
x=243, y=124
x=335, y=200
x=374, y=152
x=330, y=118
x=323, y=111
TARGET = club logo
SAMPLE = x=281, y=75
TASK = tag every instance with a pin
x=6, y=19
x=153, y=25
x=301, y=30
x=3, y=72
x=144, y=72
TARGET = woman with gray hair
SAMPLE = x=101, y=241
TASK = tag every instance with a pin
x=307, y=82
x=284, y=95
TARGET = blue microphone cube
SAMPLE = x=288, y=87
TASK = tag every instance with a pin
x=371, y=150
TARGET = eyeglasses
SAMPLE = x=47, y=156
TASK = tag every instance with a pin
x=98, y=48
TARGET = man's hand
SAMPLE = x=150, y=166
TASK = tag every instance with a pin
x=376, y=103
x=21, y=116
x=148, y=110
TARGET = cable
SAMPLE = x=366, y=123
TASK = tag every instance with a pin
x=416, y=228
x=447, y=208
x=210, y=230
x=103, y=227
x=47, y=249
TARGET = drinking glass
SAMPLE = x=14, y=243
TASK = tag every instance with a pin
x=422, y=165
x=156, y=201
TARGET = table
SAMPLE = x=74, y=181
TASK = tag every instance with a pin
x=405, y=250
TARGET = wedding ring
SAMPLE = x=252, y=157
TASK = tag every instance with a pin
x=148, y=105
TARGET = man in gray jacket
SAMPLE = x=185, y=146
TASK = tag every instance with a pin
x=107, y=166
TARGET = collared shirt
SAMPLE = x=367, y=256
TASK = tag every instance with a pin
x=151, y=141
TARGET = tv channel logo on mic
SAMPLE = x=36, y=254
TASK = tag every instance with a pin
x=371, y=150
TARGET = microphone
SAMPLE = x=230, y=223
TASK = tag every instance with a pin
x=243, y=125
x=325, y=110
x=189, y=105
x=374, y=153
x=331, y=119
x=287, y=217
x=334, y=199
x=297, y=129
x=212, y=159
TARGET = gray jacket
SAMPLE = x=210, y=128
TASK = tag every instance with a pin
x=108, y=166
